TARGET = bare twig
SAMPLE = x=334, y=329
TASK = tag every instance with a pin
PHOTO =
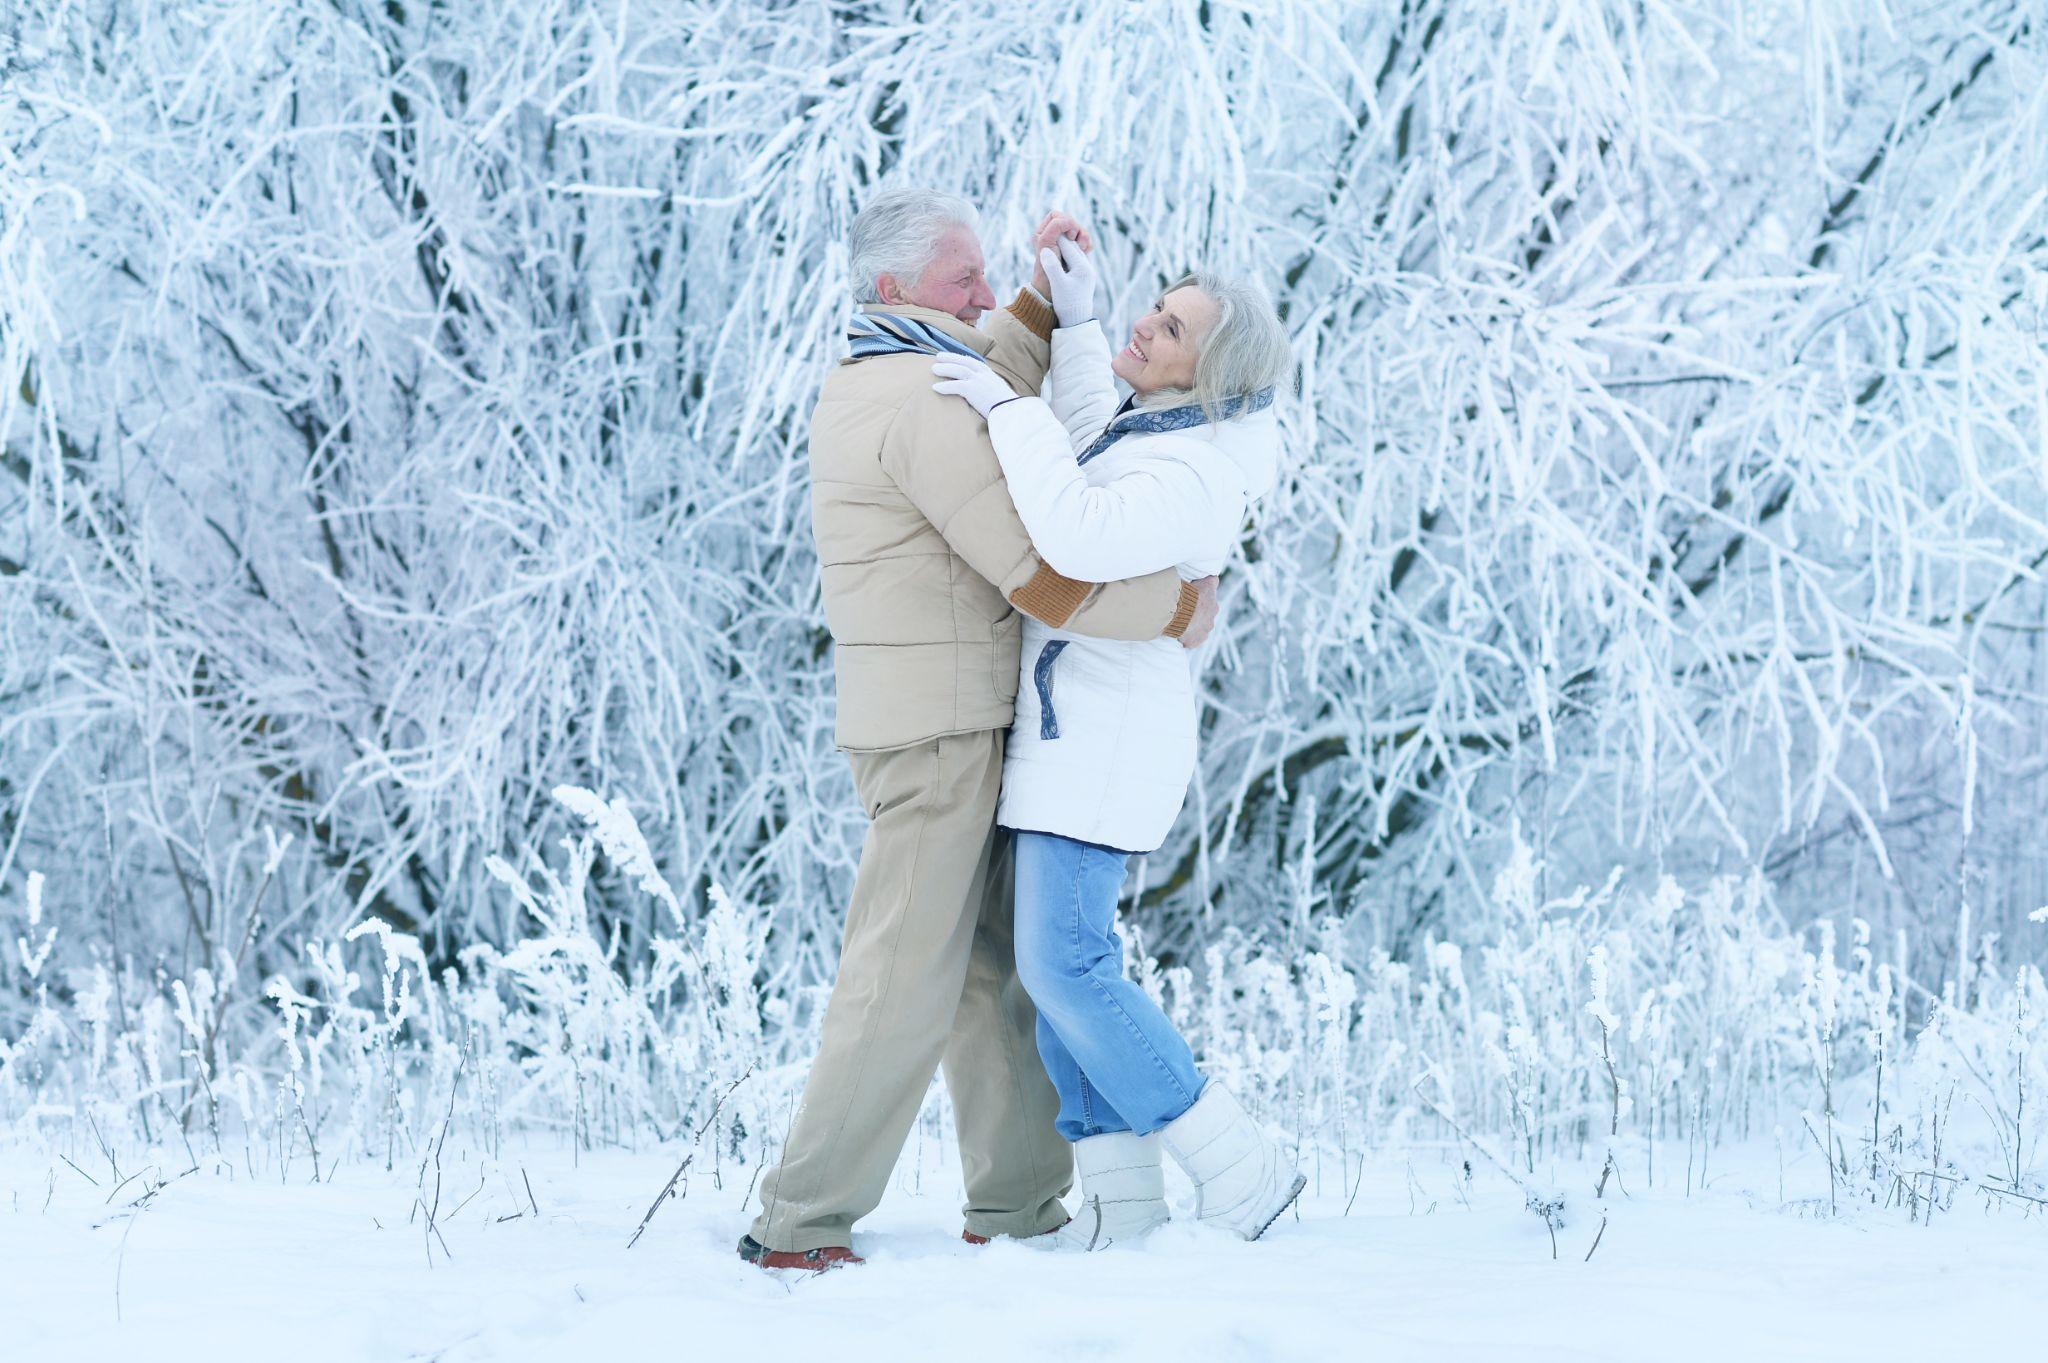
x=681, y=1169
x=2010, y=1192
x=1596, y=1241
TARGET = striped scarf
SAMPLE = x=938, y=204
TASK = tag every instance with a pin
x=882, y=333
x=1132, y=421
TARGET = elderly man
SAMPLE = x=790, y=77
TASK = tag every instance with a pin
x=925, y=566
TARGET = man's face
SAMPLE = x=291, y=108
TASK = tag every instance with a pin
x=953, y=282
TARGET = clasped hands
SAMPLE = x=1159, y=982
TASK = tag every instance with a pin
x=1065, y=277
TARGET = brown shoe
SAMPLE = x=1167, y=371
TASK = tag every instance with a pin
x=808, y=1260
x=971, y=1238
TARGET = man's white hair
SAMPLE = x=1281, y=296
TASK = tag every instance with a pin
x=898, y=234
x=1243, y=351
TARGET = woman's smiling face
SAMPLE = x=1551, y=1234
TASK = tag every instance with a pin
x=1166, y=342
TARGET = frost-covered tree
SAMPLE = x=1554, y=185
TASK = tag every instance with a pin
x=404, y=412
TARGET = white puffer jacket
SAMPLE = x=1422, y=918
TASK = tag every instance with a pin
x=1104, y=741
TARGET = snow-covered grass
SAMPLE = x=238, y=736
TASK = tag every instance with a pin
x=223, y=1263
x=403, y=411
x=1638, y=1032
x=1623, y=1124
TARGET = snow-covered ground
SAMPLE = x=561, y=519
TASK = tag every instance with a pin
x=219, y=1266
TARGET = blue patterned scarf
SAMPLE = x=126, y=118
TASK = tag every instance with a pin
x=883, y=333
x=1131, y=420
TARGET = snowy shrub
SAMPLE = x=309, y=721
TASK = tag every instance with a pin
x=368, y=1049
x=403, y=416
x=1617, y=1037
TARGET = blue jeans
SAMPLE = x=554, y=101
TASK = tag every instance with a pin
x=1117, y=1062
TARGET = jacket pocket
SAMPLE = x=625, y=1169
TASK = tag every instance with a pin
x=1041, y=677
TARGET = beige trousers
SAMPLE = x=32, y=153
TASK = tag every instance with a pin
x=927, y=976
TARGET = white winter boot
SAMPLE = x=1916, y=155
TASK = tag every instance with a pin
x=1242, y=1180
x=1123, y=1193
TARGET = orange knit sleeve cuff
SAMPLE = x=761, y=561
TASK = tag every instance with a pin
x=1183, y=612
x=1034, y=313
x=1051, y=597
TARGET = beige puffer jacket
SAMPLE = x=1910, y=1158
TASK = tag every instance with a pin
x=924, y=561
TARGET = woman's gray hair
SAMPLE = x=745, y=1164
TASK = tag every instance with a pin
x=898, y=234
x=1243, y=352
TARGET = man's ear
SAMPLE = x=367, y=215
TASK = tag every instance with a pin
x=889, y=290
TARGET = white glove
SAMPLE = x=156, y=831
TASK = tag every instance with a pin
x=983, y=388
x=1072, y=275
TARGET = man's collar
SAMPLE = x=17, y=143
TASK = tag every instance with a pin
x=943, y=321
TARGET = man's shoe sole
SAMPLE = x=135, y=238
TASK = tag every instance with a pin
x=803, y=1260
x=975, y=1238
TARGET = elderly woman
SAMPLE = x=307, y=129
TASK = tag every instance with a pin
x=1103, y=745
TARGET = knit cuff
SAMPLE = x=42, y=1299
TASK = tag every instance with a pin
x=1052, y=598
x=1034, y=312
x=1184, y=612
